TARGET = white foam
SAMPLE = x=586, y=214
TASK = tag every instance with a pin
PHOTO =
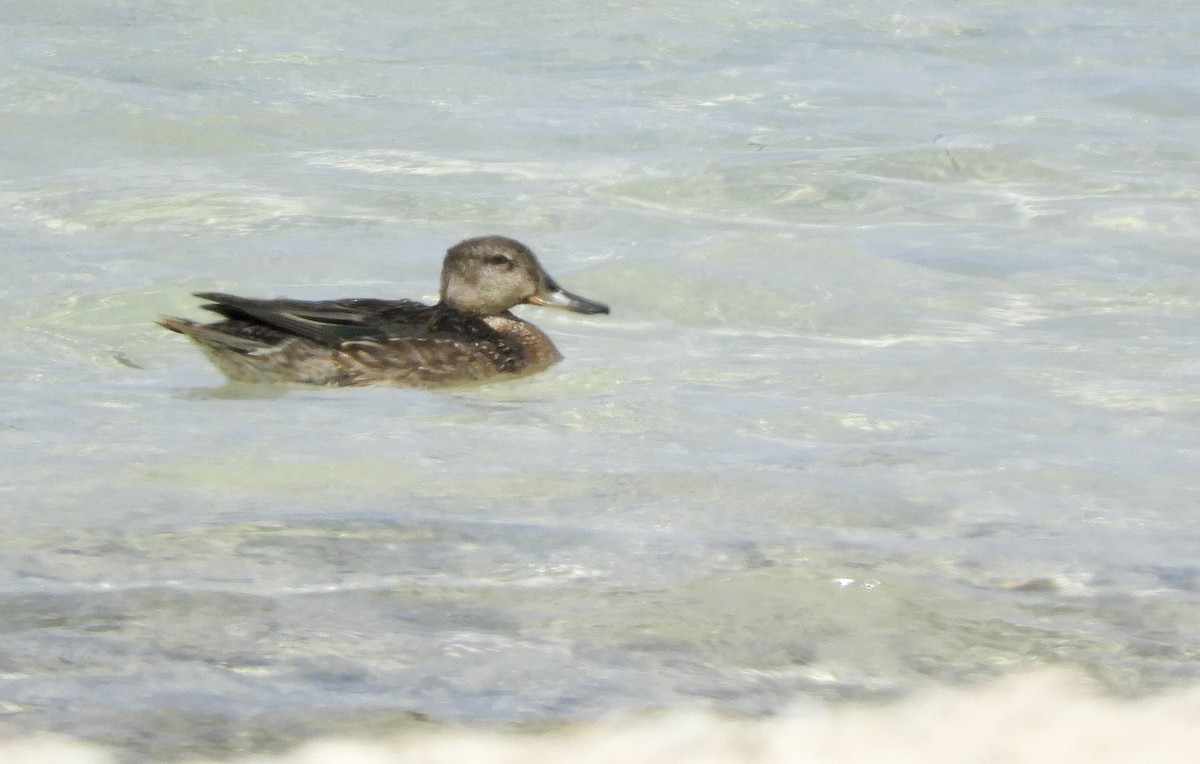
x=49, y=750
x=1049, y=716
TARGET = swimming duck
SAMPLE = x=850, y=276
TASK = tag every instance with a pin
x=468, y=336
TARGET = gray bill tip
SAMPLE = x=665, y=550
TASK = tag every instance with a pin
x=557, y=297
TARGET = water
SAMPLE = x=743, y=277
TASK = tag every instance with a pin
x=899, y=390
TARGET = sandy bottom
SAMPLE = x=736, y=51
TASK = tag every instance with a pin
x=1049, y=716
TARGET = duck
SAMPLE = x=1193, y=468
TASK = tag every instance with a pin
x=470, y=335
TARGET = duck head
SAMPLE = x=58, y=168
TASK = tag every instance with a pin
x=488, y=275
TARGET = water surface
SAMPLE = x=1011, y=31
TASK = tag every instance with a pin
x=899, y=389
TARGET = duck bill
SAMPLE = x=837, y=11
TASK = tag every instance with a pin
x=554, y=296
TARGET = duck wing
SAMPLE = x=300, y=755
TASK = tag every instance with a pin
x=329, y=323
x=333, y=323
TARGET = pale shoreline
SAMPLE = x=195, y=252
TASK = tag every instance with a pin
x=1051, y=715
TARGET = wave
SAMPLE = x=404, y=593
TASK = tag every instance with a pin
x=1050, y=715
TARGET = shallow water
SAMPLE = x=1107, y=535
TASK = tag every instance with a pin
x=899, y=388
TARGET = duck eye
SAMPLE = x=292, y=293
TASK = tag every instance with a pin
x=498, y=260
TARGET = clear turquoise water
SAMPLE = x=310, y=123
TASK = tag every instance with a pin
x=899, y=388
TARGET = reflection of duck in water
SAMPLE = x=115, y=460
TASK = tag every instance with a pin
x=468, y=336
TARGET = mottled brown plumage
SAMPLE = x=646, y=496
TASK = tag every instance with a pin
x=468, y=336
